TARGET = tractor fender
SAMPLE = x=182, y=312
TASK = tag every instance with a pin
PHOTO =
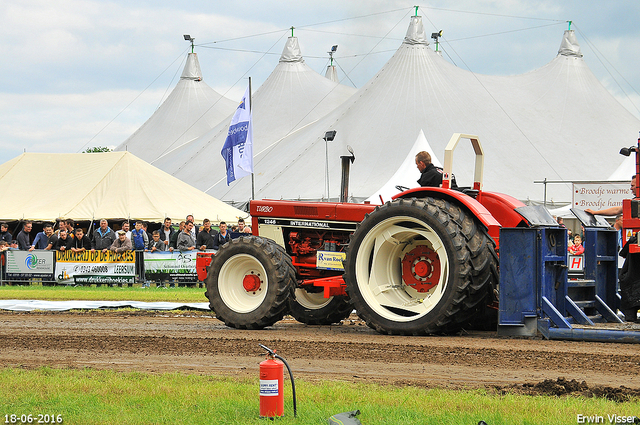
x=470, y=204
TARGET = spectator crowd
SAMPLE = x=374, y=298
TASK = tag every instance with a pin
x=65, y=237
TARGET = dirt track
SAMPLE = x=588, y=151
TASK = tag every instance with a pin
x=197, y=343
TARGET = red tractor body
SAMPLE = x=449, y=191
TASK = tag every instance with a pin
x=424, y=262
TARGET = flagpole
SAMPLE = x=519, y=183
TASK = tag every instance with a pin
x=253, y=183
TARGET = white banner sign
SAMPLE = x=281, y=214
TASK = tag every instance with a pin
x=177, y=266
x=599, y=196
x=25, y=264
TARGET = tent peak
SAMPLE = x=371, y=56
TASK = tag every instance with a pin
x=192, y=68
x=291, y=51
x=569, y=45
x=415, y=32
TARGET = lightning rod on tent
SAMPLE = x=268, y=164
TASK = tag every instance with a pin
x=292, y=28
x=569, y=25
x=416, y=10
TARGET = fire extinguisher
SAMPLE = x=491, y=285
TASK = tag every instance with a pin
x=271, y=385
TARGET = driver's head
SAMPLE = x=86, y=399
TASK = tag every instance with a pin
x=422, y=160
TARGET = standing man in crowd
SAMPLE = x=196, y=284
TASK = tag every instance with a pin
x=103, y=237
x=206, y=236
x=196, y=229
x=4, y=233
x=23, y=236
x=185, y=240
x=173, y=243
x=241, y=225
x=69, y=225
x=125, y=227
x=63, y=242
x=81, y=242
x=42, y=239
x=140, y=240
x=166, y=232
x=223, y=236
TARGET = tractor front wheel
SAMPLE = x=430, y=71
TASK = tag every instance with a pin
x=249, y=283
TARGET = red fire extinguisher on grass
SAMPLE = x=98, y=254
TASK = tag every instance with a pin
x=272, y=385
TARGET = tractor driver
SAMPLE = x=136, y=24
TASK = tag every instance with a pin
x=431, y=175
x=630, y=273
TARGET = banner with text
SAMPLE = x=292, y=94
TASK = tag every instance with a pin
x=600, y=195
x=28, y=265
x=176, y=266
x=95, y=267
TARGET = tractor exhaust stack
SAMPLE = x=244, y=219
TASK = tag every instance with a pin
x=346, y=165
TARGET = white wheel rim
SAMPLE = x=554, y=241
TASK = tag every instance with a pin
x=230, y=283
x=381, y=283
x=312, y=301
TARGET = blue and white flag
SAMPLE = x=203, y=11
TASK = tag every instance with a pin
x=238, y=148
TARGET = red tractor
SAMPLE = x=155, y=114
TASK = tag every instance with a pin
x=425, y=262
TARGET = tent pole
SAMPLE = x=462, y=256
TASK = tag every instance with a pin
x=253, y=182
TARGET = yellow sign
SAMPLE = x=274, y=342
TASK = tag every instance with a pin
x=329, y=260
x=95, y=257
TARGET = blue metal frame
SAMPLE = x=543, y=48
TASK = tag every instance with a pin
x=536, y=294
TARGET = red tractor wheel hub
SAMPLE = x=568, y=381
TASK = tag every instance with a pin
x=421, y=268
x=251, y=283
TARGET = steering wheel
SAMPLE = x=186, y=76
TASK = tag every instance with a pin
x=401, y=188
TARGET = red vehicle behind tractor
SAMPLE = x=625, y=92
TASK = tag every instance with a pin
x=425, y=262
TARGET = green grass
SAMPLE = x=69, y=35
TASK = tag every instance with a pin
x=103, y=293
x=94, y=397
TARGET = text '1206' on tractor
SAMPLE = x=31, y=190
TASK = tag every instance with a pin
x=424, y=263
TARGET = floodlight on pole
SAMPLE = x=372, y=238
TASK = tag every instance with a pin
x=436, y=36
x=187, y=37
x=328, y=137
x=334, y=49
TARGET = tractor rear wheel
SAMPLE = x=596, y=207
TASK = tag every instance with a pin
x=419, y=266
x=312, y=308
x=249, y=283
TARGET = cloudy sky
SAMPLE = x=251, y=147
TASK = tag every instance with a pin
x=79, y=73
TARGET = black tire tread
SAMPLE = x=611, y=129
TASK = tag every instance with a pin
x=474, y=254
x=339, y=308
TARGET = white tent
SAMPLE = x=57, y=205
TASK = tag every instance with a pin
x=407, y=174
x=291, y=98
x=332, y=73
x=192, y=109
x=625, y=170
x=557, y=122
x=87, y=186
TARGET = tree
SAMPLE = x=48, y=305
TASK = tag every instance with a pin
x=97, y=149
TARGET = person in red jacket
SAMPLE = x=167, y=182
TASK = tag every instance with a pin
x=576, y=248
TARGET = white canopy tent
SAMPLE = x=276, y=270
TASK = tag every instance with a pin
x=557, y=122
x=626, y=169
x=291, y=98
x=112, y=185
x=407, y=174
x=191, y=110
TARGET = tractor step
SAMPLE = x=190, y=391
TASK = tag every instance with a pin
x=585, y=304
x=581, y=283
